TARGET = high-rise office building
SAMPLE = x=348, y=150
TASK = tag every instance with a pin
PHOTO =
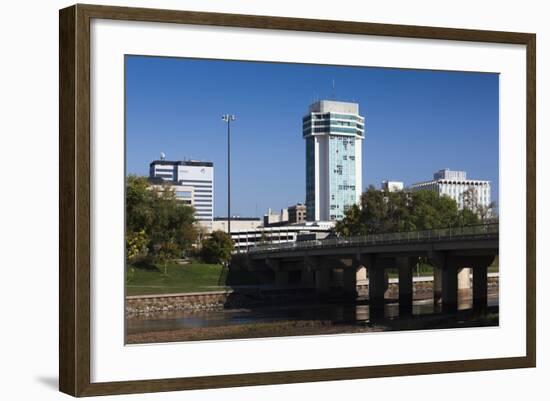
x=333, y=132
x=193, y=181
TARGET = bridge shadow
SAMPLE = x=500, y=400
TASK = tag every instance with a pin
x=256, y=299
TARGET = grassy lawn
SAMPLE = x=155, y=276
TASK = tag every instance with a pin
x=200, y=277
x=427, y=270
x=192, y=277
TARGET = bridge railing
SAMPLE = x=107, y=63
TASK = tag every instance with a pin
x=441, y=234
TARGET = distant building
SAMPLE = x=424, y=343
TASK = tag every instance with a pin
x=333, y=132
x=447, y=174
x=197, y=177
x=237, y=223
x=272, y=218
x=246, y=239
x=297, y=213
x=455, y=185
x=184, y=194
x=392, y=186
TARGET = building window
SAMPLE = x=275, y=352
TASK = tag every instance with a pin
x=184, y=194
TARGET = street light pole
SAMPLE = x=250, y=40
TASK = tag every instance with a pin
x=228, y=118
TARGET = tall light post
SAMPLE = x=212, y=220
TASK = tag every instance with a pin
x=228, y=118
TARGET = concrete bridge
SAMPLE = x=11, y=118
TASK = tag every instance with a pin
x=334, y=266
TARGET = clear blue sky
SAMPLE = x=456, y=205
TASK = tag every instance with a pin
x=416, y=122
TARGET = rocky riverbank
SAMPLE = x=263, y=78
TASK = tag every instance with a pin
x=253, y=297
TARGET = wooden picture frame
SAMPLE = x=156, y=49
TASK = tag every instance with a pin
x=74, y=204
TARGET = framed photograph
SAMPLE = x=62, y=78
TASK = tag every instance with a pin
x=310, y=199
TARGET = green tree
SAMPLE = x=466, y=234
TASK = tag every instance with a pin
x=156, y=217
x=217, y=248
x=470, y=199
x=172, y=223
x=488, y=214
x=485, y=213
x=139, y=205
x=351, y=224
x=382, y=211
x=468, y=217
x=136, y=245
x=379, y=211
x=165, y=252
x=430, y=211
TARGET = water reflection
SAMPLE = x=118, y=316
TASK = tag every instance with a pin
x=334, y=312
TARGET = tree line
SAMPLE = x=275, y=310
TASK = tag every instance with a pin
x=382, y=211
x=159, y=228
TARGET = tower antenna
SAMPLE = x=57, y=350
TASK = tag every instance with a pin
x=333, y=89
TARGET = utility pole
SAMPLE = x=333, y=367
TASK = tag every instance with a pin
x=228, y=118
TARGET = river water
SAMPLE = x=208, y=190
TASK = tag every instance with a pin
x=334, y=312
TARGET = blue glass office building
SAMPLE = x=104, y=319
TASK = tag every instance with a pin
x=333, y=132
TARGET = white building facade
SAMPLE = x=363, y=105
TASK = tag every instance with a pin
x=274, y=218
x=190, y=178
x=392, y=186
x=182, y=193
x=237, y=223
x=333, y=132
x=249, y=238
x=457, y=186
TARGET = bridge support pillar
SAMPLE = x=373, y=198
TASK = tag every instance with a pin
x=281, y=276
x=308, y=278
x=322, y=281
x=449, y=288
x=377, y=288
x=437, y=260
x=438, y=279
x=350, y=280
x=480, y=288
x=308, y=271
x=405, y=286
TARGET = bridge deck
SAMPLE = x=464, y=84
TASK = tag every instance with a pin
x=470, y=238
